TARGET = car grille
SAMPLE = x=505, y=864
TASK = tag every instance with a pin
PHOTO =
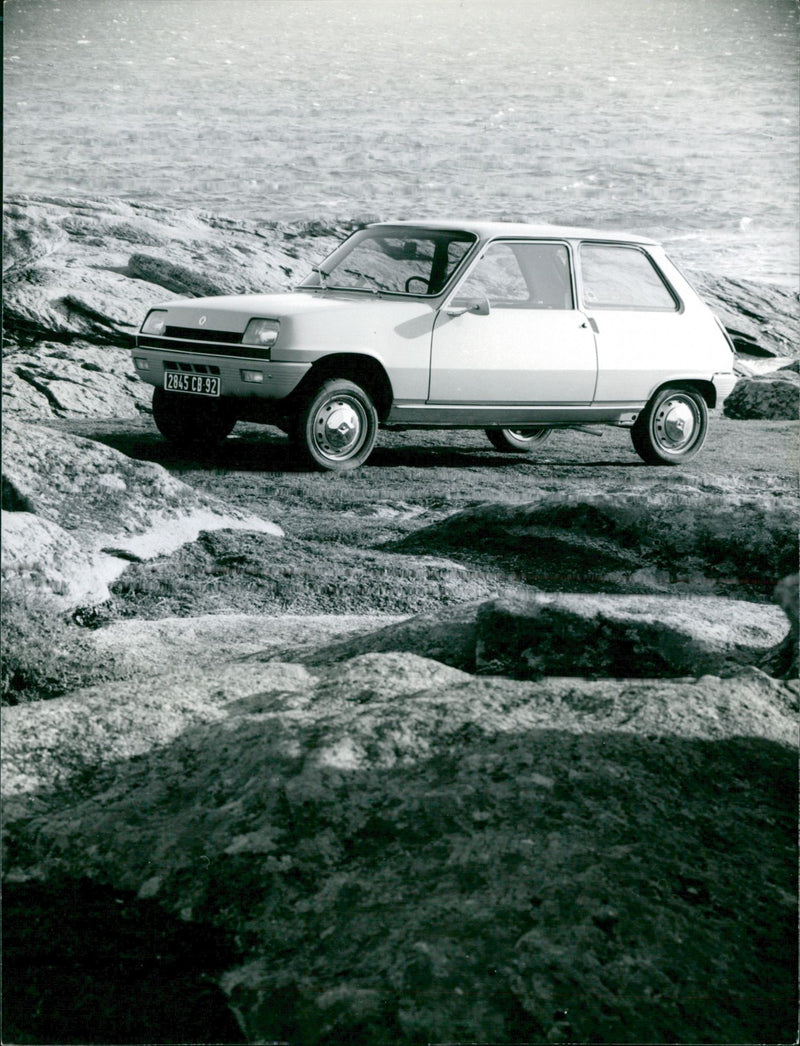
x=201, y=334
x=205, y=347
x=191, y=368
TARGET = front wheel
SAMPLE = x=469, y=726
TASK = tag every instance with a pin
x=518, y=441
x=186, y=420
x=672, y=428
x=337, y=426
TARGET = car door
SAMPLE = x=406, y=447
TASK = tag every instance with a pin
x=638, y=320
x=511, y=334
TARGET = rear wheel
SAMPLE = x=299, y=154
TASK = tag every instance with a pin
x=187, y=420
x=672, y=428
x=337, y=426
x=518, y=441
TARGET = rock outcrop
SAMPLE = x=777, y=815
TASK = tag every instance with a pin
x=90, y=269
x=404, y=852
x=761, y=318
x=51, y=379
x=209, y=640
x=784, y=660
x=535, y=635
x=76, y=512
x=775, y=396
x=623, y=636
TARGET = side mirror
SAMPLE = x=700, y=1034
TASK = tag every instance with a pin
x=476, y=306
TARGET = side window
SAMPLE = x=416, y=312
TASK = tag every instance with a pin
x=521, y=276
x=497, y=276
x=622, y=278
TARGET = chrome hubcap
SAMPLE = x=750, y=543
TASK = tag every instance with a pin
x=339, y=427
x=531, y=435
x=676, y=423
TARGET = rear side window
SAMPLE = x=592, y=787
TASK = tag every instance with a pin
x=622, y=278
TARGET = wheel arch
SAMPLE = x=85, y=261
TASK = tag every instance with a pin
x=702, y=385
x=359, y=368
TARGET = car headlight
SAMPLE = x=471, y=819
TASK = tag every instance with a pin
x=155, y=322
x=262, y=333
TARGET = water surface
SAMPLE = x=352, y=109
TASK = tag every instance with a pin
x=677, y=118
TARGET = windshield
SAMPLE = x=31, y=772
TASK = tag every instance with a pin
x=393, y=260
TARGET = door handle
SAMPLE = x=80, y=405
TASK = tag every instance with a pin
x=590, y=323
x=478, y=307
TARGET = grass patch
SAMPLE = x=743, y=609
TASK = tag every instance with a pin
x=600, y=542
x=43, y=651
x=231, y=571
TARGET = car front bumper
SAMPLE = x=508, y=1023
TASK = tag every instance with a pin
x=240, y=377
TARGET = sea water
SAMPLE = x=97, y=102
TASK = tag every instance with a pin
x=673, y=118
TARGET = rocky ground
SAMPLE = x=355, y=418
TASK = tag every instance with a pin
x=459, y=747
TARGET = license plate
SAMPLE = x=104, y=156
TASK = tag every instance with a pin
x=196, y=384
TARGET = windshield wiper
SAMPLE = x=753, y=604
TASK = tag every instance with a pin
x=366, y=276
x=356, y=290
x=325, y=286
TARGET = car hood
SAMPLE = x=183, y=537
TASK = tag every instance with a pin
x=233, y=312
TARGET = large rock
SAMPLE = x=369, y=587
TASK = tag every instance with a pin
x=69, y=381
x=623, y=636
x=761, y=318
x=784, y=660
x=76, y=512
x=580, y=634
x=773, y=396
x=90, y=269
x=41, y=558
x=405, y=853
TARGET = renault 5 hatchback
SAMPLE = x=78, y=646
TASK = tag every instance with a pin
x=515, y=329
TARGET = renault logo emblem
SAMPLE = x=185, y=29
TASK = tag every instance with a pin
x=202, y=321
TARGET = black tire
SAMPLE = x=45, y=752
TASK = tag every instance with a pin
x=672, y=428
x=336, y=426
x=189, y=420
x=518, y=441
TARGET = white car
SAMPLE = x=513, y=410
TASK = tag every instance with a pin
x=515, y=329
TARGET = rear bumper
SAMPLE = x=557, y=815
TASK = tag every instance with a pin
x=724, y=383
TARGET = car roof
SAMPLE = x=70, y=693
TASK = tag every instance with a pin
x=488, y=230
